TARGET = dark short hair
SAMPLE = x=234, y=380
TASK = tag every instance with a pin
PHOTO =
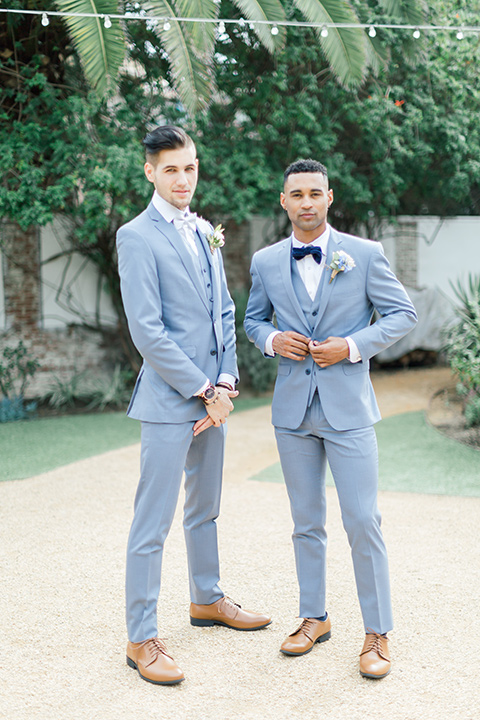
x=166, y=137
x=305, y=166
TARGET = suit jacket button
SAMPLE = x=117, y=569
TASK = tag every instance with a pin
x=307, y=372
x=213, y=352
x=315, y=312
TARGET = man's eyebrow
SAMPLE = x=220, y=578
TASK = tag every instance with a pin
x=294, y=190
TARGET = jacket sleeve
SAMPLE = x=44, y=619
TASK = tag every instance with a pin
x=396, y=312
x=258, y=321
x=142, y=300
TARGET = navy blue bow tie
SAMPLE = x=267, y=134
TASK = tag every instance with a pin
x=300, y=252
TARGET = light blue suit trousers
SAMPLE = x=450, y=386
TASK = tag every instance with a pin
x=166, y=451
x=353, y=459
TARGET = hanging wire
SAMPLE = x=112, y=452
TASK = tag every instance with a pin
x=242, y=22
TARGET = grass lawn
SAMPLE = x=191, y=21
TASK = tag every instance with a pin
x=416, y=458
x=32, y=447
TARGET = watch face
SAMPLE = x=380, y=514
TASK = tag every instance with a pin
x=209, y=393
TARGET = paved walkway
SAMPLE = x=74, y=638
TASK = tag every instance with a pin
x=61, y=604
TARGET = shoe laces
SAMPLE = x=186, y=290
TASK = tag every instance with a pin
x=375, y=643
x=231, y=602
x=306, y=625
x=156, y=647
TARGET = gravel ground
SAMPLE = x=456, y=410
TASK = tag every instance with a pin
x=61, y=606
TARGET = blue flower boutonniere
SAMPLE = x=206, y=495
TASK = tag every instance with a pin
x=216, y=238
x=341, y=262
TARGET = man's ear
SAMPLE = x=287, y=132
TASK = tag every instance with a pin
x=149, y=171
x=330, y=197
x=282, y=200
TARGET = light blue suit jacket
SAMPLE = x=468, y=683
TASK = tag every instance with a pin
x=346, y=307
x=185, y=333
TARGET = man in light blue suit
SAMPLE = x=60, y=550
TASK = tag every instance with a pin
x=323, y=286
x=181, y=319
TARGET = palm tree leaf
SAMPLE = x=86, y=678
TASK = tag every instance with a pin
x=409, y=11
x=270, y=10
x=101, y=50
x=202, y=34
x=190, y=69
x=345, y=48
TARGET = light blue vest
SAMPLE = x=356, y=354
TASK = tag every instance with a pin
x=310, y=309
x=204, y=271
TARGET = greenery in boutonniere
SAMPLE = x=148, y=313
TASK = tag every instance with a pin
x=216, y=239
x=341, y=262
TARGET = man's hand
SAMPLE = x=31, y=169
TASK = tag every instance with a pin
x=290, y=344
x=217, y=412
x=330, y=351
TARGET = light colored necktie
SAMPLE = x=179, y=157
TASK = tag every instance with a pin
x=187, y=227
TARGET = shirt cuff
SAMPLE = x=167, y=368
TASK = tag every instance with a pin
x=354, y=355
x=269, y=343
x=202, y=389
x=227, y=378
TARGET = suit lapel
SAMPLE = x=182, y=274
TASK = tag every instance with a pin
x=178, y=243
x=285, y=262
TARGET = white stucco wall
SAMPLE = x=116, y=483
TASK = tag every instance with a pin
x=69, y=283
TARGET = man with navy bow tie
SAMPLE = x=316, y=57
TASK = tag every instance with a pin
x=323, y=286
x=181, y=319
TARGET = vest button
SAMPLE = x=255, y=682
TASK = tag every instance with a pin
x=307, y=372
x=315, y=312
x=213, y=352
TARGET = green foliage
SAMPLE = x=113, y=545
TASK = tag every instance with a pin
x=256, y=371
x=113, y=392
x=68, y=392
x=463, y=346
x=80, y=389
x=14, y=408
x=17, y=366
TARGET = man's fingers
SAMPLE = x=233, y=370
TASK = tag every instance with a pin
x=202, y=424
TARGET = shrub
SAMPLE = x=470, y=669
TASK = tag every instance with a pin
x=17, y=367
x=463, y=346
x=256, y=371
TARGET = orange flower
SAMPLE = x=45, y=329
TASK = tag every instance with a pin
x=399, y=103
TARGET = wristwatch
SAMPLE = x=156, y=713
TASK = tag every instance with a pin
x=209, y=395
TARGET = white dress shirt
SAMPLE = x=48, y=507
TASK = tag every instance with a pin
x=311, y=273
x=170, y=213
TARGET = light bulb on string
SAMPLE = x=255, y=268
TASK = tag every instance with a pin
x=324, y=32
x=416, y=34
x=45, y=20
x=274, y=30
x=372, y=32
x=107, y=23
x=221, y=28
x=460, y=35
x=166, y=26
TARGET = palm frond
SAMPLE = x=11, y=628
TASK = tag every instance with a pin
x=190, y=69
x=345, y=48
x=202, y=34
x=407, y=11
x=101, y=50
x=270, y=10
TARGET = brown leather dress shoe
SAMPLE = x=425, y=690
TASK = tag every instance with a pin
x=153, y=664
x=375, y=656
x=311, y=631
x=228, y=613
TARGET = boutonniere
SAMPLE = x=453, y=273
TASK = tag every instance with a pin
x=216, y=238
x=341, y=262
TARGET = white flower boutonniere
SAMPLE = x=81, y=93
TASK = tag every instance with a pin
x=341, y=262
x=216, y=239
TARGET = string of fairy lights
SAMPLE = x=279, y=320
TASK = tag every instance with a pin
x=460, y=31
